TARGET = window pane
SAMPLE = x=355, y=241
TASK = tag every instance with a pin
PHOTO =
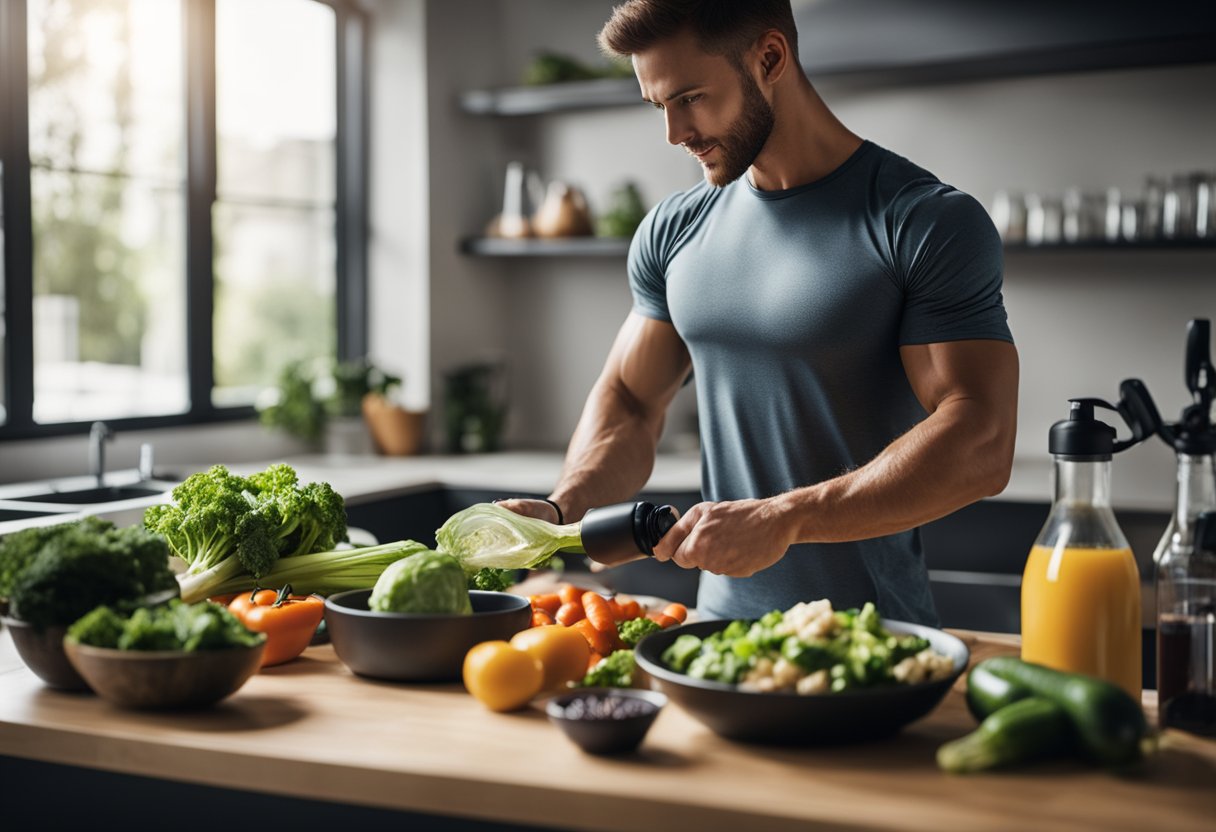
x=276, y=100
x=275, y=247
x=274, y=295
x=108, y=210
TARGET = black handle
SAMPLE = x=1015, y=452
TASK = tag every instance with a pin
x=664, y=518
x=1198, y=359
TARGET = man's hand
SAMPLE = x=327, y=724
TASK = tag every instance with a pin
x=736, y=538
x=539, y=509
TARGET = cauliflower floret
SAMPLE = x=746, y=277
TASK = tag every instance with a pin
x=808, y=621
x=816, y=682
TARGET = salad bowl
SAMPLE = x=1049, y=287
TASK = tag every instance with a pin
x=788, y=718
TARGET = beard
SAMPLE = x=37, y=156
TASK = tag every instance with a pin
x=744, y=139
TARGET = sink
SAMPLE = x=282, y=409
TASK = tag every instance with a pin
x=89, y=496
x=7, y=514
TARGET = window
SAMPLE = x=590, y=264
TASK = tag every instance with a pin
x=180, y=201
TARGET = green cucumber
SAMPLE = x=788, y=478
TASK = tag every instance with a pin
x=1025, y=730
x=1109, y=725
x=987, y=693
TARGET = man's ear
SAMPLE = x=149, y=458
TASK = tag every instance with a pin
x=774, y=53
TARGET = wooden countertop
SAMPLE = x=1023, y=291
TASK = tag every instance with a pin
x=311, y=729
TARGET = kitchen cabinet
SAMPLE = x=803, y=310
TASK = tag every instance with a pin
x=309, y=741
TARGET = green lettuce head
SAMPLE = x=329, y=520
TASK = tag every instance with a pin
x=425, y=582
x=487, y=535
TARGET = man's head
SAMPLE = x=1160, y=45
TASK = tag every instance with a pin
x=700, y=61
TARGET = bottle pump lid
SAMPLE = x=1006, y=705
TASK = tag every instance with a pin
x=1081, y=436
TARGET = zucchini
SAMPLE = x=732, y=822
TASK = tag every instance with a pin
x=1025, y=730
x=987, y=693
x=1109, y=725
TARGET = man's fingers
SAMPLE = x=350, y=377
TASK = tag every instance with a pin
x=529, y=508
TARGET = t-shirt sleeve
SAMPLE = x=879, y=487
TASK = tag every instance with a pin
x=647, y=268
x=949, y=261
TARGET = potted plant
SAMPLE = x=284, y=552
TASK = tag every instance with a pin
x=345, y=404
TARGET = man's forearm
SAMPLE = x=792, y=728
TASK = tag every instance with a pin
x=956, y=456
x=611, y=453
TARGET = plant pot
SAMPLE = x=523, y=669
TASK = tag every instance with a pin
x=394, y=430
x=347, y=435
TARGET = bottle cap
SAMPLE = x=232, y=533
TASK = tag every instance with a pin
x=1082, y=437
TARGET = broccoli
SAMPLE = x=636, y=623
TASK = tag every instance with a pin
x=491, y=579
x=228, y=527
x=613, y=671
x=174, y=626
x=681, y=652
x=18, y=550
x=83, y=568
x=635, y=629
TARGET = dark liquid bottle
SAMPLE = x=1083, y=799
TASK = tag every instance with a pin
x=1186, y=633
x=1186, y=644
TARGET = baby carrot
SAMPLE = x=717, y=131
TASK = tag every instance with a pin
x=630, y=608
x=599, y=641
x=549, y=602
x=540, y=618
x=677, y=611
x=598, y=612
x=569, y=593
x=662, y=619
x=567, y=614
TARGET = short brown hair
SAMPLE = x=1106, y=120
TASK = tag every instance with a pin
x=723, y=27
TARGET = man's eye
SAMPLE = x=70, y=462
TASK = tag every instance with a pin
x=691, y=99
x=656, y=105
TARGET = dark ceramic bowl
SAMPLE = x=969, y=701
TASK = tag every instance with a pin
x=793, y=719
x=606, y=720
x=164, y=679
x=411, y=647
x=42, y=652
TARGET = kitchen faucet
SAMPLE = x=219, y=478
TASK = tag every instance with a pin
x=98, y=434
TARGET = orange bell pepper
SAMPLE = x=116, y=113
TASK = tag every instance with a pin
x=289, y=621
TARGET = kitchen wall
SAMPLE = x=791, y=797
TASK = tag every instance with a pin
x=1083, y=320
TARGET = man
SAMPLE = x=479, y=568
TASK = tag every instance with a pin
x=839, y=310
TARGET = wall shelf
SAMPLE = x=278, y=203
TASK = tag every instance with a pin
x=1098, y=246
x=890, y=43
x=532, y=247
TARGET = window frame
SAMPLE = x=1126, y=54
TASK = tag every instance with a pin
x=350, y=231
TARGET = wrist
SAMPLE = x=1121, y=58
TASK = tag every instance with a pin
x=790, y=515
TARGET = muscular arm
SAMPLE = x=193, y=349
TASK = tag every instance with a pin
x=612, y=450
x=961, y=452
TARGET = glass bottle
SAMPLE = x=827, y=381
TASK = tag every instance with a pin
x=1186, y=632
x=1081, y=586
x=1196, y=494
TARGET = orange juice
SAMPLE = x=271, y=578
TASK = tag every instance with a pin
x=1081, y=613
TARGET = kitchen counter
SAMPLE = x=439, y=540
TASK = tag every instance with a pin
x=310, y=729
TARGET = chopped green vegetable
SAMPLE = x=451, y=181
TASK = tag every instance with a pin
x=425, y=582
x=174, y=626
x=612, y=671
x=83, y=568
x=485, y=534
x=636, y=629
x=225, y=526
x=850, y=647
x=18, y=549
x=490, y=579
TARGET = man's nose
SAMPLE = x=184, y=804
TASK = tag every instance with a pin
x=678, y=128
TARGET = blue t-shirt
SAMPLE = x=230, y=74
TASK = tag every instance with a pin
x=793, y=306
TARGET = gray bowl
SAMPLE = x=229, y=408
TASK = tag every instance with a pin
x=409, y=647
x=594, y=720
x=792, y=719
x=42, y=652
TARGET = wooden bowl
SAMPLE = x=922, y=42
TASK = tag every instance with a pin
x=42, y=652
x=164, y=679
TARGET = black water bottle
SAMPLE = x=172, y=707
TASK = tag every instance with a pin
x=626, y=531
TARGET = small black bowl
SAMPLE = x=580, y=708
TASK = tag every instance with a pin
x=782, y=718
x=606, y=720
x=415, y=647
